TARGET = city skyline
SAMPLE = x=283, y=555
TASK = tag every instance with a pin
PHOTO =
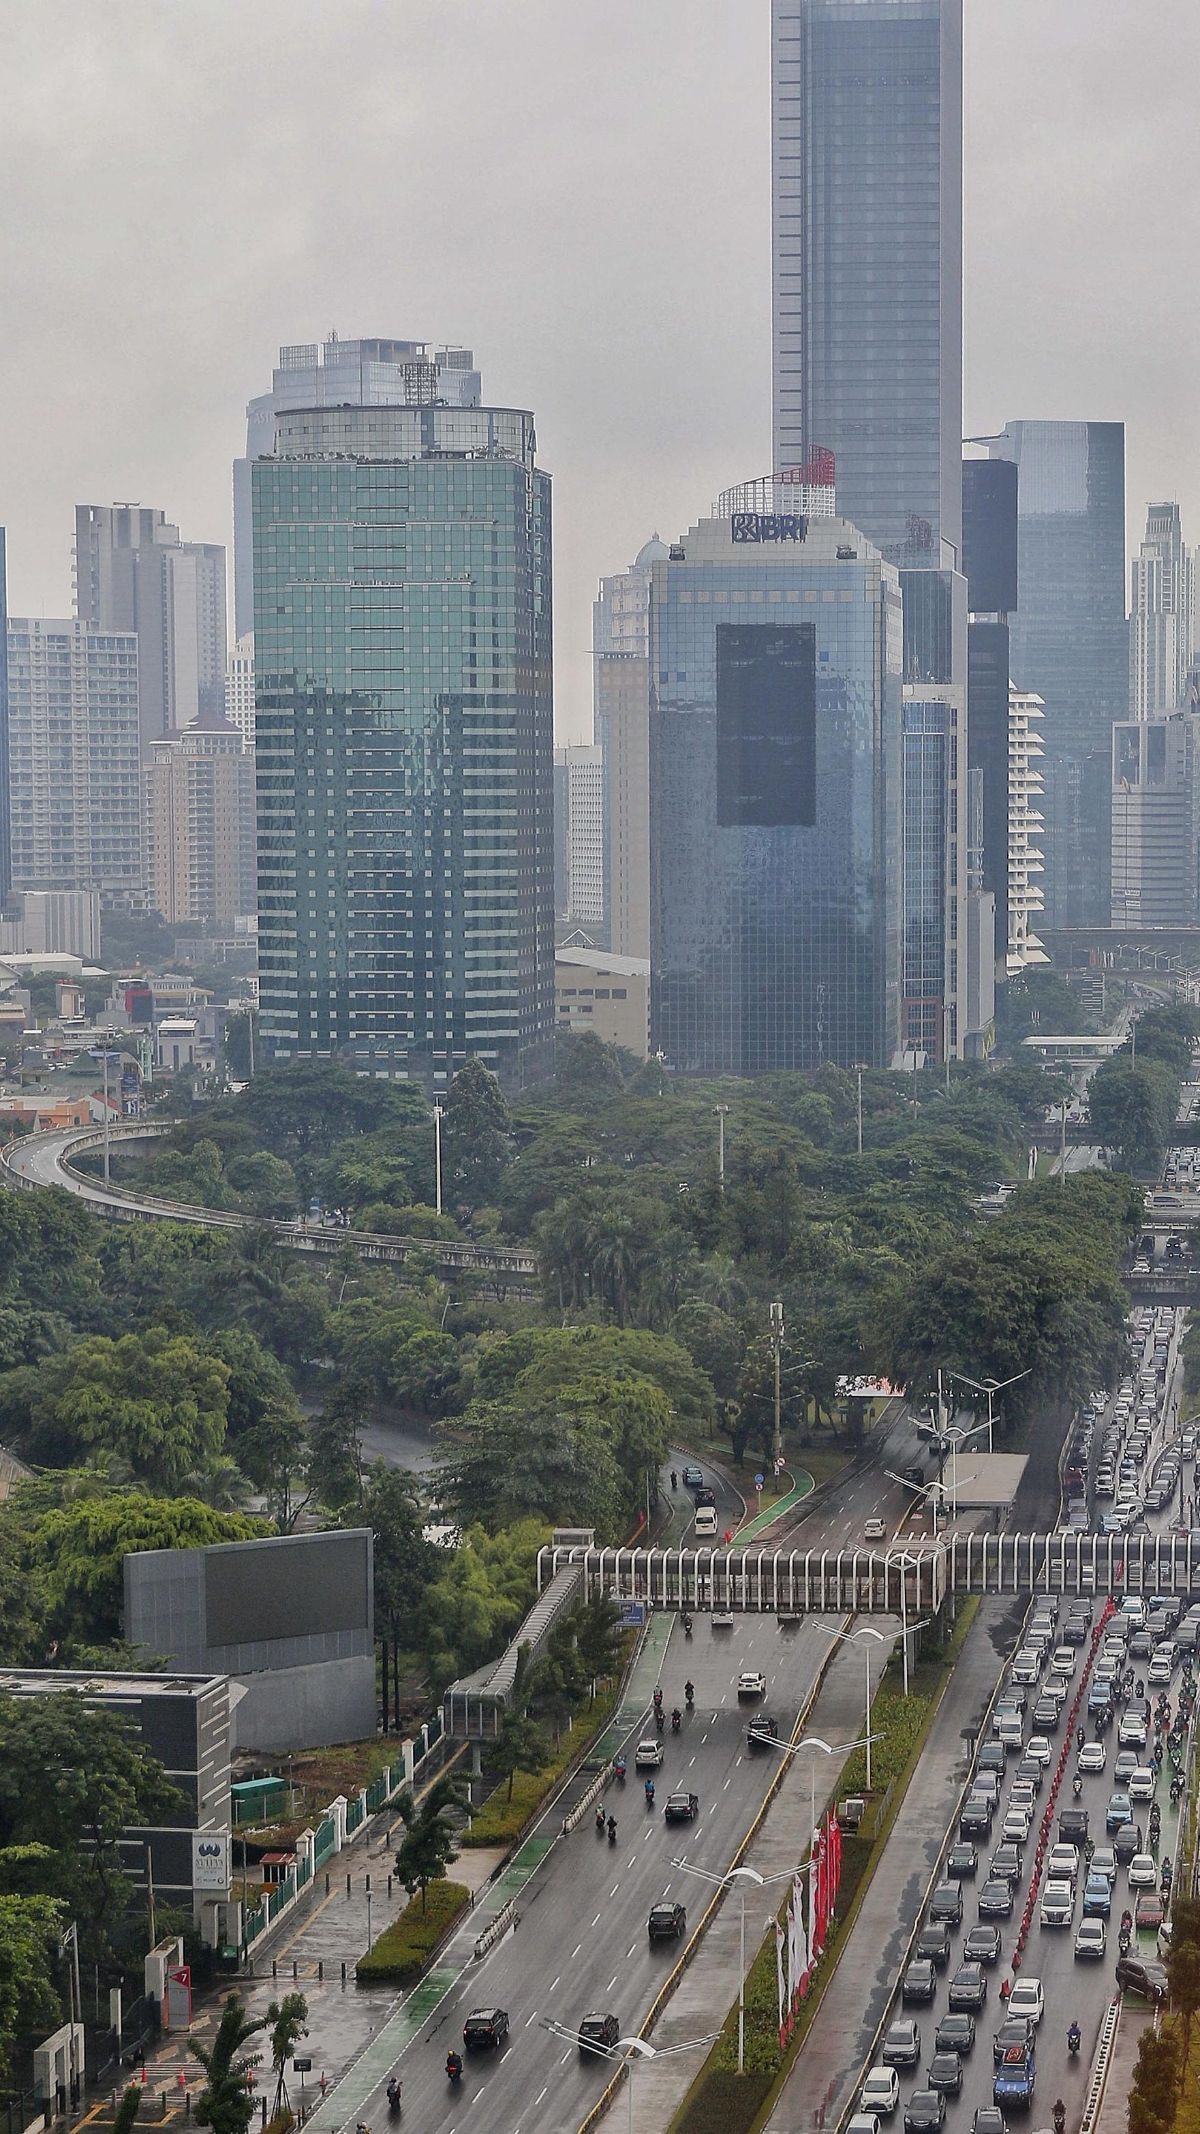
x=630, y=437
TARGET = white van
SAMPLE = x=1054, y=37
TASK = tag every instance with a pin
x=706, y=1520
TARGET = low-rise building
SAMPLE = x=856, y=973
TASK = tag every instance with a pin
x=608, y=995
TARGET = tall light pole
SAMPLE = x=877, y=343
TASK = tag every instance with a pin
x=859, y=1070
x=627, y=2050
x=989, y=1387
x=437, y=1156
x=777, y=1349
x=742, y=1876
x=721, y=1110
x=847, y=1637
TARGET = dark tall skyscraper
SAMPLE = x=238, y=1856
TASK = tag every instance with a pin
x=404, y=738
x=867, y=260
x=1069, y=640
x=5, y=800
x=990, y=568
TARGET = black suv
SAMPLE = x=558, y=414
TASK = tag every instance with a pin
x=919, y=1982
x=946, y=1904
x=598, y=2033
x=1136, y=1975
x=667, y=1922
x=933, y=1943
x=485, y=2026
x=982, y=1945
x=762, y=1730
x=968, y=1987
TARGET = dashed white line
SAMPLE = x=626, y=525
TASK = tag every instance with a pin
x=612, y=1893
x=575, y=1951
x=537, y=2100
x=612, y=1982
x=596, y=1920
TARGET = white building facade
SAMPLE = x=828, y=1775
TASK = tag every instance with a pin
x=74, y=780
x=1025, y=861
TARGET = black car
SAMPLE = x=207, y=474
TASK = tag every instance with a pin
x=1125, y=1843
x=1073, y=1827
x=485, y=2026
x=976, y=1818
x=982, y=1945
x=925, y=2111
x=667, y=1922
x=1030, y=1773
x=598, y=2033
x=919, y=1982
x=1138, y=1974
x=996, y=1900
x=1074, y=1631
x=1046, y=1714
x=1005, y=1864
x=962, y=1861
x=902, y=2044
x=968, y=1987
x=992, y=1757
x=945, y=1905
x=761, y=1731
x=989, y=2119
x=933, y=1942
x=1015, y=2030
x=682, y=1807
x=955, y=2033
x=945, y=2073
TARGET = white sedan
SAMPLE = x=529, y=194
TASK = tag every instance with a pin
x=874, y=1530
x=880, y=2092
x=1027, y=1999
x=1038, y=1749
x=1142, y=1871
x=1091, y=1759
x=751, y=1682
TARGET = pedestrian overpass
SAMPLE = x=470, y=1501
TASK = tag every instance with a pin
x=904, y=1581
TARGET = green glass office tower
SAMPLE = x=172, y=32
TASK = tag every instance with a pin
x=404, y=722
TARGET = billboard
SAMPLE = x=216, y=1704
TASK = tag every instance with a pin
x=303, y=1586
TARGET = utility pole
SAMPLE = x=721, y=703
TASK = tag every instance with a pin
x=777, y=1349
x=250, y=1034
x=1062, y=1161
x=437, y=1155
x=859, y=1071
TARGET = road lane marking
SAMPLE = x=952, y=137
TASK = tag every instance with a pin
x=533, y=2018
x=575, y=1951
x=537, y=2100
x=629, y=1951
x=612, y=1893
x=596, y=1920
x=612, y=1982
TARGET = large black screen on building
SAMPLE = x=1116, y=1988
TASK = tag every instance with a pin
x=286, y=1589
x=766, y=725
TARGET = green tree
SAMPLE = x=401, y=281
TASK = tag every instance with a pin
x=598, y=1633
x=588, y=1073
x=484, y=1590
x=1183, y=1970
x=73, y=1778
x=226, y=2103
x=335, y=1457
x=287, y=2021
x=125, y=2116
x=521, y=1742
x=1132, y=1109
x=476, y=1136
x=156, y=1399
x=427, y=1847
x=75, y=1554
x=30, y=1929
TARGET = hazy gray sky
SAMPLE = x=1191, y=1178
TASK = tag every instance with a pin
x=579, y=189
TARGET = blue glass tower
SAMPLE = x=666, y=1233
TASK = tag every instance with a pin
x=402, y=622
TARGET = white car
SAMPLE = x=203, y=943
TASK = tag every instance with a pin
x=1027, y=1999
x=874, y=1530
x=1092, y=1938
x=1091, y=1759
x=1160, y=1670
x=1038, y=1749
x=1058, y=1905
x=1141, y=1784
x=648, y=1752
x=751, y=1682
x=880, y=2092
x=1062, y=1863
x=1026, y=1668
x=1021, y=1795
x=1015, y=1828
x=1062, y=1660
x=1142, y=1872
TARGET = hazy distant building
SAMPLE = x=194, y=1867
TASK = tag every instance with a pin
x=1024, y=896
x=1156, y=821
x=990, y=568
x=5, y=837
x=404, y=737
x=579, y=799
x=1070, y=641
x=867, y=260
x=948, y=923
x=775, y=732
x=621, y=699
x=604, y=994
x=75, y=798
x=239, y=688
x=200, y=826
x=132, y=572
x=331, y=374
x=1162, y=616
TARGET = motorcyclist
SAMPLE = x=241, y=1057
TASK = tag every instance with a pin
x=689, y=1692
x=1077, y=1785
x=600, y=1819
x=453, y=2065
x=687, y=1626
x=676, y=1720
x=1074, y=2038
x=674, y=1478
x=649, y=1793
x=1079, y=1739
x=393, y=2094
x=1059, y=2115
x=612, y=1830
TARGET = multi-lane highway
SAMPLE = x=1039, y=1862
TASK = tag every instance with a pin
x=582, y=1943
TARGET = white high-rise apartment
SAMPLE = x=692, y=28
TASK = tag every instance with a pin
x=582, y=787
x=74, y=790
x=239, y=688
x=1162, y=616
x=621, y=685
x=1025, y=862
x=200, y=826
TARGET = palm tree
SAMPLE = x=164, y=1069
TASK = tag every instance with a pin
x=288, y=2019
x=226, y=2103
x=718, y=1282
x=616, y=1259
x=221, y=1484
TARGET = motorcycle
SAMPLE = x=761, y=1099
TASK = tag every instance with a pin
x=599, y=1822
x=612, y=1830
x=676, y=1720
x=687, y=1626
x=1059, y=2116
x=1123, y=1940
x=659, y=1721
x=454, y=2066
x=689, y=1694
x=393, y=2095
x=1077, y=1786
x=649, y=1793
x=1074, y=2039
x=619, y=1770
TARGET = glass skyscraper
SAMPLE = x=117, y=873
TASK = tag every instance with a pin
x=6, y=881
x=775, y=795
x=1070, y=642
x=402, y=623
x=867, y=260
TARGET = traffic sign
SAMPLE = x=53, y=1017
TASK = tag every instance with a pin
x=759, y=1480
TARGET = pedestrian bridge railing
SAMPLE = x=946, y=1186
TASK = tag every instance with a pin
x=896, y=1580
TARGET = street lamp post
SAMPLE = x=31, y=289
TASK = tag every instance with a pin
x=777, y=1350
x=860, y=1070
x=721, y=1110
x=847, y=1637
x=989, y=1388
x=742, y=1876
x=628, y=2049
x=437, y=1156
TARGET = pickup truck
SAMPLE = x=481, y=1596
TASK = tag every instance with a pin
x=1013, y=2081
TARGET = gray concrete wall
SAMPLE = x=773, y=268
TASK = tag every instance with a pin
x=305, y=1707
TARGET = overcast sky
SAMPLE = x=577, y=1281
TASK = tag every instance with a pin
x=579, y=190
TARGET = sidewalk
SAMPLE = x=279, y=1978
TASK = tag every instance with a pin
x=708, y=1987
x=826, y=2072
